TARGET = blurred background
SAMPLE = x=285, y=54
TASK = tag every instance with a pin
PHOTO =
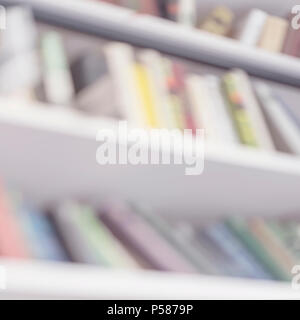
x=73, y=228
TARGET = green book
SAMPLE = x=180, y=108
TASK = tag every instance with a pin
x=102, y=241
x=289, y=235
x=57, y=78
x=240, y=116
x=239, y=227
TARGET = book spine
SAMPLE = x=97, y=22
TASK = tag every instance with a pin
x=144, y=240
x=283, y=124
x=249, y=34
x=273, y=25
x=143, y=85
x=153, y=61
x=120, y=58
x=65, y=218
x=44, y=233
x=271, y=243
x=254, y=111
x=241, y=230
x=103, y=242
x=187, y=12
x=175, y=94
x=238, y=111
x=57, y=79
x=238, y=253
x=12, y=242
x=225, y=123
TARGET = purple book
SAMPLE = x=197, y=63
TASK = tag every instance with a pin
x=142, y=239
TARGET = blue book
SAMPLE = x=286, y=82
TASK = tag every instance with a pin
x=47, y=242
x=237, y=252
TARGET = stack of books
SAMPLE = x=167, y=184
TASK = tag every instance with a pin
x=125, y=235
x=144, y=87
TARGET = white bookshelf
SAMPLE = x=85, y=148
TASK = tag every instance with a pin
x=49, y=152
x=56, y=147
x=45, y=280
x=119, y=23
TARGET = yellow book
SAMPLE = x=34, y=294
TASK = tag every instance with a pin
x=143, y=83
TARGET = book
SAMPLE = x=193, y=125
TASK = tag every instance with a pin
x=180, y=237
x=120, y=58
x=235, y=103
x=272, y=244
x=224, y=122
x=19, y=54
x=38, y=232
x=131, y=229
x=104, y=244
x=277, y=26
x=71, y=234
x=250, y=29
x=153, y=62
x=246, y=263
x=219, y=21
x=12, y=241
x=187, y=13
x=175, y=88
x=283, y=125
x=57, y=78
x=249, y=101
x=240, y=228
x=209, y=110
x=145, y=92
x=288, y=233
x=291, y=44
x=201, y=105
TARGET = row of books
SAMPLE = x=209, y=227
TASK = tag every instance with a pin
x=122, y=235
x=144, y=87
x=257, y=28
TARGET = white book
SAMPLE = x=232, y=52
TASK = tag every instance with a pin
x=20, y=33
x=120, y=58
x=253, y=108
x=282, y=122
x=221, y=113
x=187, y=12
x=202, y=106
x=154, y=63
x=251, y=29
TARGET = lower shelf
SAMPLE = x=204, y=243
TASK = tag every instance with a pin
x=45, y=280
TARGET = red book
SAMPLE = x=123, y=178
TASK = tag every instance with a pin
x=179, y=89
x=12, y=243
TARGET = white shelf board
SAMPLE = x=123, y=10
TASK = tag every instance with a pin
x=120, y=23
x=47, y=280
x=50, y=153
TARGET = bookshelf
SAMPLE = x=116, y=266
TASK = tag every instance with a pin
x=29, y=280
x=122, y=24
x=62, y=156
x=270, y=181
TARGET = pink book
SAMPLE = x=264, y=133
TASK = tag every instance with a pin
x=12, y=243
x=145, y=241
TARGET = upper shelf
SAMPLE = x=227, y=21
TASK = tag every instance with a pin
x=44, y=145
x=122, y=24
x=31, y=280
